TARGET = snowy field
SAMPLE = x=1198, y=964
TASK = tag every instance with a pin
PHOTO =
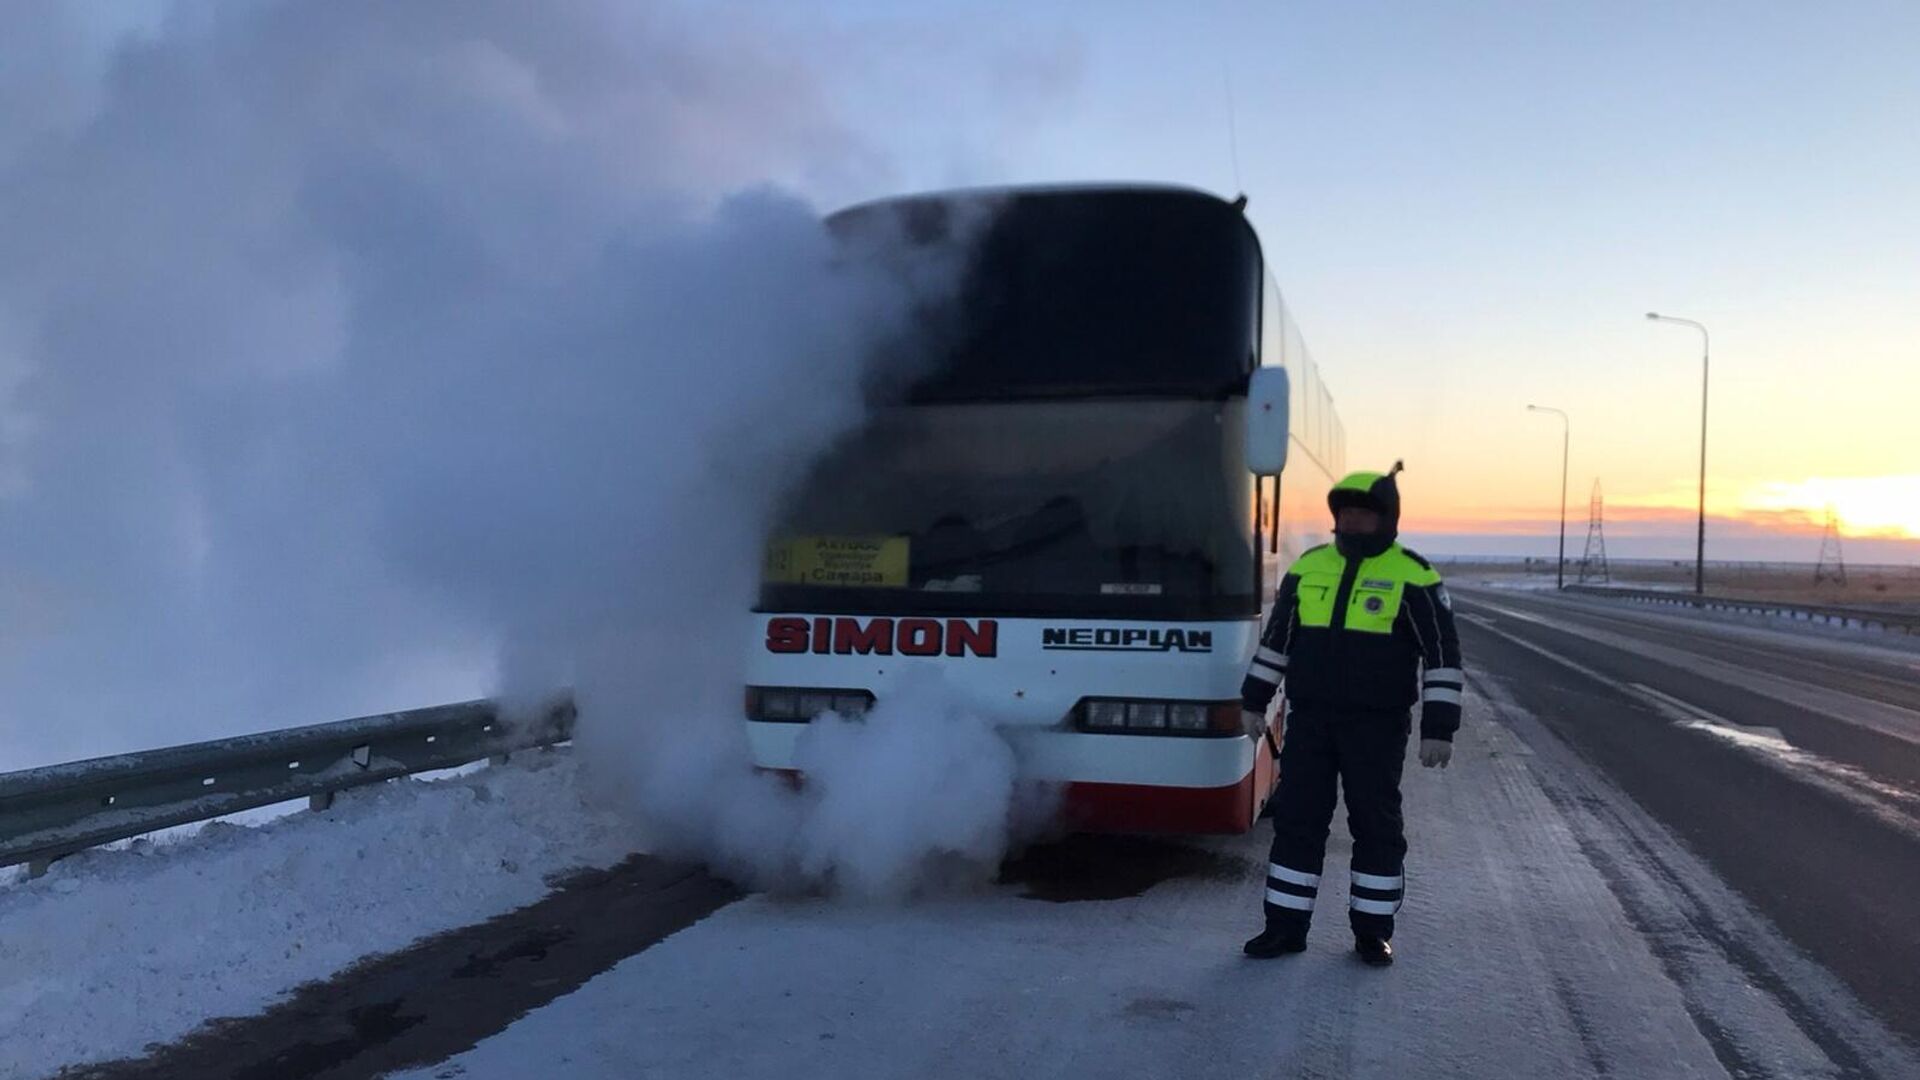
x=116, y=949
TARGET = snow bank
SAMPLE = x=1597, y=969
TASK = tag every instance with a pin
x=113, y=950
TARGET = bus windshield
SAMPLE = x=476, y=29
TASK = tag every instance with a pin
x=1082, y=294
x=1133, y=507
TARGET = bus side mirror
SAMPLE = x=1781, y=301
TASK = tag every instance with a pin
x=1268, y=395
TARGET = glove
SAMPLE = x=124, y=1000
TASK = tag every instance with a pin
x=1435, y=752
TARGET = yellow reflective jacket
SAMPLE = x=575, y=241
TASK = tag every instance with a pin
x=1355, y=633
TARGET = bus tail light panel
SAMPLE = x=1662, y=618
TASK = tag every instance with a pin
x=800, y=704
x=1141, y=716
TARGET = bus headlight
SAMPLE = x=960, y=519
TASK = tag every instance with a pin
x=1142, y=717
x=1146, y=714
x=1106, y=715
x=1187, y=716
x=799, y=704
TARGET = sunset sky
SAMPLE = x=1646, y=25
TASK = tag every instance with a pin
x=1471, y=207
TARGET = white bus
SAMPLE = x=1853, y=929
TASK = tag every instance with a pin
x=1076, y=512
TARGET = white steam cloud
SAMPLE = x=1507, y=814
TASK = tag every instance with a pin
x=358, y=355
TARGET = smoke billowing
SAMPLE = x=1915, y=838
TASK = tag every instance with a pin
x=359, y=356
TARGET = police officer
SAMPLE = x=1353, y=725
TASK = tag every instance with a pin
x=1353, y=625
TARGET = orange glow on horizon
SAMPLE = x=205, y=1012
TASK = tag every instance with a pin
x=1868, y=507
x=1879, y=506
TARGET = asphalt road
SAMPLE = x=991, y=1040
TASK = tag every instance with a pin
x=1790, y=762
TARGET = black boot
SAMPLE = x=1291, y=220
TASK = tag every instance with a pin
x=1279, y=938
x=1374, y=951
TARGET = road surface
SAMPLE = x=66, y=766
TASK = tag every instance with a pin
x=1790, y=761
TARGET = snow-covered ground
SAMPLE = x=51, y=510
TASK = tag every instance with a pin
x=116, y=949
x=1551, y=930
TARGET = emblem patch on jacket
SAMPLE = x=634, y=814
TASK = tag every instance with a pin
x=1374, y=604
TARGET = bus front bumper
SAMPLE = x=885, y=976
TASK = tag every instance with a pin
x=1117, y=783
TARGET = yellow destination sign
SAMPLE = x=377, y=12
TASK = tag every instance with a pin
x=858, y=561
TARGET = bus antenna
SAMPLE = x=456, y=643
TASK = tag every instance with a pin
x=1233, y=131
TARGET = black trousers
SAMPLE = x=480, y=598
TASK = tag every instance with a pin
x=1363, y=752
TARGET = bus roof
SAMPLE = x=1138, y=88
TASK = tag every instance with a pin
x=995, y=192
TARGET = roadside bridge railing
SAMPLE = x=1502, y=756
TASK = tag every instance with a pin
x=1864, y=618
x=53, y=811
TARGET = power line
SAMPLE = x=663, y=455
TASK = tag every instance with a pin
x=1233, y=128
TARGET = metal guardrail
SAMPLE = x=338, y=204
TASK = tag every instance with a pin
x=56, y=810
x=1866, y=618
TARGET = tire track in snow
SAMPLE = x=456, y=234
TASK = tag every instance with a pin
x=1552, y=878
x=444, y=994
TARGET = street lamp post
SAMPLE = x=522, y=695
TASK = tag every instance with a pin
x=1700, y=551
x=1566, y=441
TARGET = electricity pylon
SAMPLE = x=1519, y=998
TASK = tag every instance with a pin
x=1833, y=563
x=1593, y=563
